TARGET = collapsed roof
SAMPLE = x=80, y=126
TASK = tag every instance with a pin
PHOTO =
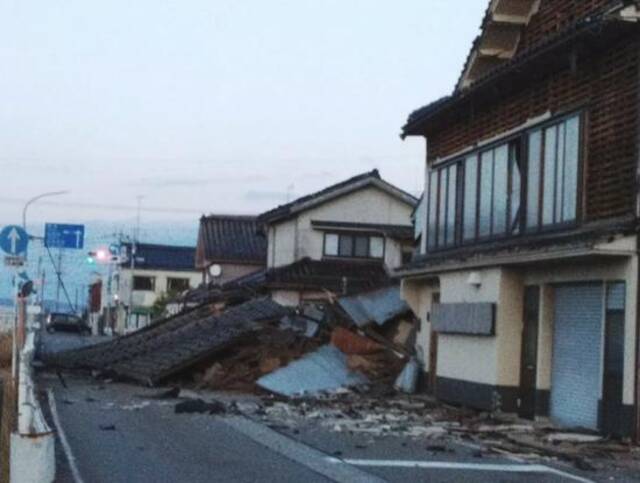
x=167, y=348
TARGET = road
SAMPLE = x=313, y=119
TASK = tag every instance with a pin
x=113, y=432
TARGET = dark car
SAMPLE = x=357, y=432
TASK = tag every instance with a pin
x=66, y=322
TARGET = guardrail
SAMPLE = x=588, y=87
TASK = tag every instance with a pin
x=32, y=450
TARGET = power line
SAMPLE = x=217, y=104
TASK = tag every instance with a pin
x=101, y=206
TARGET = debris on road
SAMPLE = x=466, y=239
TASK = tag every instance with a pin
x=107, y=427
x=199, y=406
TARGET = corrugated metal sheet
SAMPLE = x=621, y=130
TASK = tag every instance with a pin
x=464, y=318
x=324, y=370
x=378, y=306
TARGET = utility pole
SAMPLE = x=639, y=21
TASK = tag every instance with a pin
x=136, y=235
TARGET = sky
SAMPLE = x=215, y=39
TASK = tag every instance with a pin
x=203, y=106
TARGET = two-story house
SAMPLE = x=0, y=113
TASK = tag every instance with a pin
x=342, y=239
x=527, y=277
x=156, y=271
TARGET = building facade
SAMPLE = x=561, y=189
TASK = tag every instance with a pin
x=345, y=237
x=527, y=277
x=157, y=271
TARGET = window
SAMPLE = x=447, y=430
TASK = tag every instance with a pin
x=331, y=245
x=530, y=181
x=345, y=246
x=552, y=196
x=353, y=246
x=177, y=284
x=147, y=284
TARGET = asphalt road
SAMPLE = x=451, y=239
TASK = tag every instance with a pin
x=120, y=433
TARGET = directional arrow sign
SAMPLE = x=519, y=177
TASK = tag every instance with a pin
x=58, y=235
x=14, y=240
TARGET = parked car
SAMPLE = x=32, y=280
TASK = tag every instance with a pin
x=66, y=322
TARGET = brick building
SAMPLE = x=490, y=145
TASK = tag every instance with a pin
x=527, y=276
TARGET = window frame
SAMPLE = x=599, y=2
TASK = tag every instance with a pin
x=354, y=235
x=182, y=279
x=515, y=228
x=150, y=277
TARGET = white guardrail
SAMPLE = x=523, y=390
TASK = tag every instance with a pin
x=32, y=445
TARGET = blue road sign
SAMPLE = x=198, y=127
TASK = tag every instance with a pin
x=57, y=235
x=14, y=240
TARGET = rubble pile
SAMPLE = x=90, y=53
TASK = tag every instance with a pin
x=425, y=420
x=259, y=354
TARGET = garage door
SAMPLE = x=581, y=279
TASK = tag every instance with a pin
x=577, y=341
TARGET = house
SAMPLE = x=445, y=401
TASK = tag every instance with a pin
x=339, y=240
x=155, y=271
x=229, y=247
x=527, y=278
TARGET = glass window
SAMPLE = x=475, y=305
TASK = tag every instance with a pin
x=345, y=248
x=442, y=207
x=486, y=184
x=376, y=247
x=470, y=196
x=177, y=284
x=515, y=189
x=361, y=247
x=433, y=207
x=331, y=245
x=560, y=158
x=147, y=284
x=571, y=155
x=549, y=182
x=533, y=175
x=450, y=226
x=500, y=183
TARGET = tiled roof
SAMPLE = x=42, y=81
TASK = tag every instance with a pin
x=398, y=232
x=332, y=275
x=171, y=346
x=231, y=238
x=161, y=257
x=365, y=179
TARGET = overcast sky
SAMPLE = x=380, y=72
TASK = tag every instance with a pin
x=214, y=105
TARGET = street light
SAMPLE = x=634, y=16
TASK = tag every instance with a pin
x=36, y=198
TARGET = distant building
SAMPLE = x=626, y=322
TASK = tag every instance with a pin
x=342, y=239
x=229, y=247
x=158, y=270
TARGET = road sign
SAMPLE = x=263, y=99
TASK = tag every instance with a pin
x=13, y=261
x=57, y=235
x=14, y=240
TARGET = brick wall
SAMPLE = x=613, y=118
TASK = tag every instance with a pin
x=606, y=86
x=556, y=15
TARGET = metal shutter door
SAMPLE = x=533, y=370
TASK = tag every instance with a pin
x=577, y=340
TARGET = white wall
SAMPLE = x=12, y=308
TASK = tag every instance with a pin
x=496, y=360
x=294, y=239
x=147, y=298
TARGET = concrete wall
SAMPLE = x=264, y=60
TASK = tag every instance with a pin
x=294, y=239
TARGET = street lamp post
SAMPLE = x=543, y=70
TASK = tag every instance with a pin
x=37, y=198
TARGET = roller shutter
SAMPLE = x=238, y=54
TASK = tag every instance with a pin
x=577, y=347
